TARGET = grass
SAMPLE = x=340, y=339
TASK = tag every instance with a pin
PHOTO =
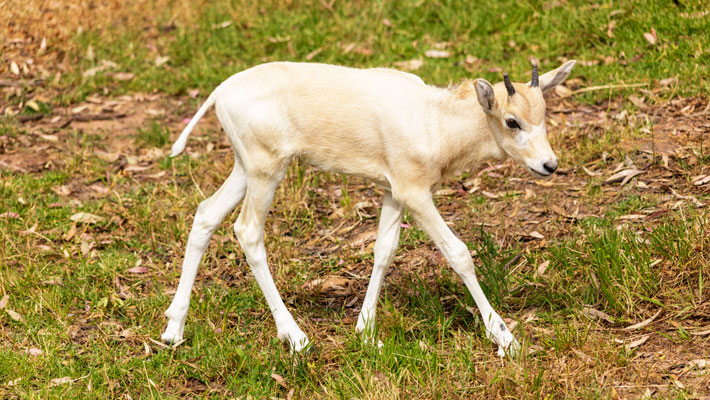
x=85, y=299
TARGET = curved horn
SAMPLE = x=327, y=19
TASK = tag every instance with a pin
x=508, y=86
x=534, y=82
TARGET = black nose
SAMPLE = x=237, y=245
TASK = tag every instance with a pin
x=550, y=166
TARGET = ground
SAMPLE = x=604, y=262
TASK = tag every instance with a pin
x=600, y=270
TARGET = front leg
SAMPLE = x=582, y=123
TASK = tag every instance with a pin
x=385, y=249
x=420, y=203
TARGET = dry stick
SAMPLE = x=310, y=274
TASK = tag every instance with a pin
x=618, y=86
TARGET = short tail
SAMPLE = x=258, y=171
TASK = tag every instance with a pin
x=179, y=145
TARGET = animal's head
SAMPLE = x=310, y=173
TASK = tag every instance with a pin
x=516, y=116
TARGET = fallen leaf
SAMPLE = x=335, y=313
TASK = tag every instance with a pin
x=332, y=284
x=123, y=76
x=643, y=323
x=387, y=22
x=702, y=180
x=108, y=157
x=280, y=380
x=536, y=235
x=445, y=192
x=34, y=352
x=636, y=343
x=3, y=301
x=15, y=316
x=86, y=218
x=138, y=270
x=593, y=313
x=193, y=93
x=13, y=382
x=10, y=215
x=160, y=60
x=542, y=268
x=563, y=91
x=60, y=381
x=313, y=53
x=410, y=65
x=650, y=37
x=668, y=81
x=222, y=25
x=698, y=364
x=33, y=105
x=637, y=101
x=14, y=68
x=437, y=53
x=624, y=176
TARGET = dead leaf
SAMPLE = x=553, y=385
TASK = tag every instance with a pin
x=60, y=381
x=702, y=180
x=33, y=105
x=643, y=323
x=536, y=235
x=637, y=101
x=13, y=382
x=14, y=68
x=610, y=29
x=280, y=380
x=86, y=218
x=386, y=22
x=313, y=53
x=698, y=364
x=108, y=157
x=410, y=65
x=15, y=316
x=222, y=25
x=636, y=343
x=445, y=192
x=3, y=301
x=332, y=284
x=651, y=37
x=624, y=176
x=123, y=76
x=563, y=91
x=542, y=268
x=138, y=270
x=668, y=81
x=593, y=313
x=10, y=215
x=34, y=351
x=437, y=53
x=159, y=61
x=78, y=109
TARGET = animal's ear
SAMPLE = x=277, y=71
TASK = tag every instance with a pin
x=485, y=95
x=553, y=78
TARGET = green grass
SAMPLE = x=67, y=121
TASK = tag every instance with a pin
x=500, y=35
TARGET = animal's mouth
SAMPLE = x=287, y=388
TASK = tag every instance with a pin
x=539, y=174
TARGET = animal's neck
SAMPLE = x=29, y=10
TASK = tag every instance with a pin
x=466, y=137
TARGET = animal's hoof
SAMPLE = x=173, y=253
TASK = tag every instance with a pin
x=173, y=333
x=170, y=337
x=296, y=339
x=512, y=350
x=498, y=332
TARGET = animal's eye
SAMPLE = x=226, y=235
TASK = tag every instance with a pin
x=512, y=123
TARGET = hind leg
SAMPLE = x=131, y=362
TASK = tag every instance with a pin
x=208, y=217
x=249, y=229
x=385, y=249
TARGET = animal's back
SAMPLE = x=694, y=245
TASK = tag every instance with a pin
x=337, y=118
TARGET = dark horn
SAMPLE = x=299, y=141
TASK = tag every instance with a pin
x=508, y=85
x=534, y=82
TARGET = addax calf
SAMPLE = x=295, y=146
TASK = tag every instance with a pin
x=380, y=124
